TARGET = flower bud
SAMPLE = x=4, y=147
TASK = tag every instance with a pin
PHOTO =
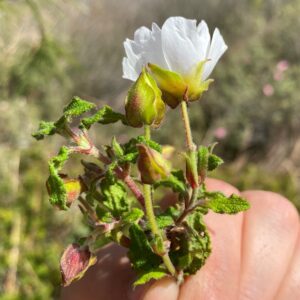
x=175, y=87
x=74, y=263
x=191, y=169
x=143, y=104
x=73, y=188
x=82, y=141
x=152, y=165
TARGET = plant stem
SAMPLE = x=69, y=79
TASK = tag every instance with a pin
x=151, y=216
x=188, y=132
x=147, y=132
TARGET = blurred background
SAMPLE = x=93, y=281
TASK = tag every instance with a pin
x=51, y=50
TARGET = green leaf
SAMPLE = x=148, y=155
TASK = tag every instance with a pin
x=103, y=116
x=131, y=151
x=214, y=162
x=114, y=196
x=175, y=181
x=74, y=109
x=133, y=216
x=118, y=151
x=192, y=244
x=45, y=128
x=152, y=274
x=103, y=214
x=77, y=107
x=219, y=203
x=55, y=184
x=140, y=252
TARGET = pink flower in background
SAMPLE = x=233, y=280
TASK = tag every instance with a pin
x=268, y=90
x=282, y=65
x=220, y=133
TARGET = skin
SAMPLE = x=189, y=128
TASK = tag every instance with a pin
x=256, y=255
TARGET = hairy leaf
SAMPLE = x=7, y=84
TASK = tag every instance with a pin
x=55, y=184
x=133, y=216
x=214, y=162
x=219, y=203
x=191, y=245
x=140, y=253
x=77, y=107
x=45, y=128
x=152, y=274
x=105, y=115
x=114, y=196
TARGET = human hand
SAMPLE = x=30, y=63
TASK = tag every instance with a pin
x=255, y=256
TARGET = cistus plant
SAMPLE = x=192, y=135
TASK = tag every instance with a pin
x=170, y=67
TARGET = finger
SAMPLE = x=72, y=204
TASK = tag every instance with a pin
x=269, y=236
x=290, y=287
x=111, y=278
x=165, y=289
x=219, y=278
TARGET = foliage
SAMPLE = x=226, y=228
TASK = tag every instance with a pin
x=38, y=74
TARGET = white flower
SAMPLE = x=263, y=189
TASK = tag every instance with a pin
x=178, y=46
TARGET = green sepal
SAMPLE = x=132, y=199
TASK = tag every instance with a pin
x=141, y=256
x=171, y=83
x=105, y=115
x=55, y=184
x=219, y=203
x=196, y=87
x=145, y=277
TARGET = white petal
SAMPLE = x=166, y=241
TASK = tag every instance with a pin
x=128, y=71
x=180, y=44
x=152, y=49
x=142, y=35
x=203, y=31
x=217, y=49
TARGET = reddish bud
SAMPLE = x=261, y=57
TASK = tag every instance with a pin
x=74, y=263
x=152, y=165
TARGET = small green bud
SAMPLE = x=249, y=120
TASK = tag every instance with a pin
x=203, y=155
x=143, y=104
x=191, y=173
x=152, y=165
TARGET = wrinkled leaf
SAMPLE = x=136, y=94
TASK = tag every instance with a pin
x=219, y=203
x=105, y=115
x=152, y=274
x=55, y=184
